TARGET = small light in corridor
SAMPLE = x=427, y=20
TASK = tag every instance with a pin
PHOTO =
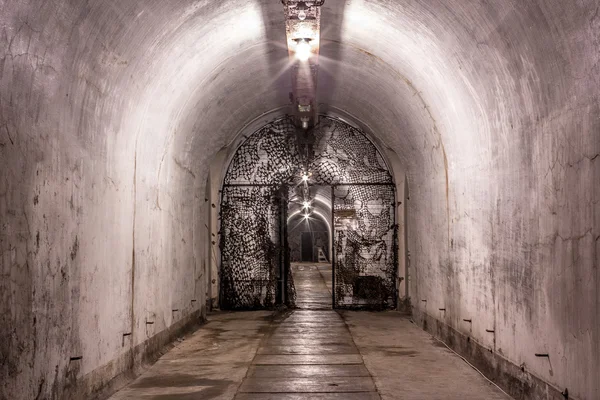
x=304, y=177
x=306, y=204
x=302, y=8
x=303, y=50
x=305, y=122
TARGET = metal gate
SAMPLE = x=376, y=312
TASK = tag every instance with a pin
x=268, y=166
x=252, y=251
x=365, y=248
x=254, y=258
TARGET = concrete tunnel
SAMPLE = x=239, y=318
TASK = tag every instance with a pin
x=118, y=118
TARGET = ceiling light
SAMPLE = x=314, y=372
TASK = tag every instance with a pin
x=303, y=50
x=305, y=121
x=302, y=8
x=304, y=177
x=306, y=204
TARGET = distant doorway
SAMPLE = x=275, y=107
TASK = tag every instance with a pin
x=307, y=247
x=308, y=226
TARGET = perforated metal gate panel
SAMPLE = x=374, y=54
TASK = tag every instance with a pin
x=249, y=253
x=255, y=260
x=364, y=246
x=253, y=239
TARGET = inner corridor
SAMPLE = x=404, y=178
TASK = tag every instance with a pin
x=313, y=285
x=312, y=352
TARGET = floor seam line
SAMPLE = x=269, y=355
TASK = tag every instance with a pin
x=268, y=334
x=358, y=349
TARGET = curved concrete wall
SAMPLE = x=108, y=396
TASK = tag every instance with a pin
x=110, y=113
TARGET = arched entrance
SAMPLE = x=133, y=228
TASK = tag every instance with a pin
x=272, y=175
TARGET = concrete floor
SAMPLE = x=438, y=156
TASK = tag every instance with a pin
x=312, y=292
x=310, y=353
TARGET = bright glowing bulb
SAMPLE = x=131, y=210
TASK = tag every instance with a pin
x=303, y=50
x=306, y=216
x=306, y=204
x=305, y=177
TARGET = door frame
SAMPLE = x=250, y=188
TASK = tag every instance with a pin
x=218, y=166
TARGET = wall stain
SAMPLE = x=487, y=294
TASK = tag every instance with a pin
x=74, y=249
x=132, y=310
x=183, y=167
x=447, y=188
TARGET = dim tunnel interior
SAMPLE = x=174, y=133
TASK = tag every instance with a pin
x=118, y=118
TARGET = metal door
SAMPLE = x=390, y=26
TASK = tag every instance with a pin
x=364, y=247
x=248, y=247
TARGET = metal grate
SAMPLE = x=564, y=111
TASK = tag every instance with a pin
x=249, y=248
x=268, y=157
x=334, y=153
x=343, y=154
x=364, y=246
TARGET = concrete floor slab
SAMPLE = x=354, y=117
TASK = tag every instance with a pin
x=308, y=359
x=282, y=371
x=312, y=396
x=302, y=349
x=313, y=384
x=288, y=363
x=305, y=336
x=409, y=364
x=305, y=354
x=295, y=341
x=209, y=364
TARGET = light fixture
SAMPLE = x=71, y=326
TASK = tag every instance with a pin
x=303, y=50
x=305, y=177
x=306, y=204
x=306, y=216
x=302, y=10
x=305, y=121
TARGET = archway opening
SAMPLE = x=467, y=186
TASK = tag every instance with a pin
x=310, y=233
x=332, y=174
x=309, y=226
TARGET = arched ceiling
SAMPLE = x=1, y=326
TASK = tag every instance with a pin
x=188, y=74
